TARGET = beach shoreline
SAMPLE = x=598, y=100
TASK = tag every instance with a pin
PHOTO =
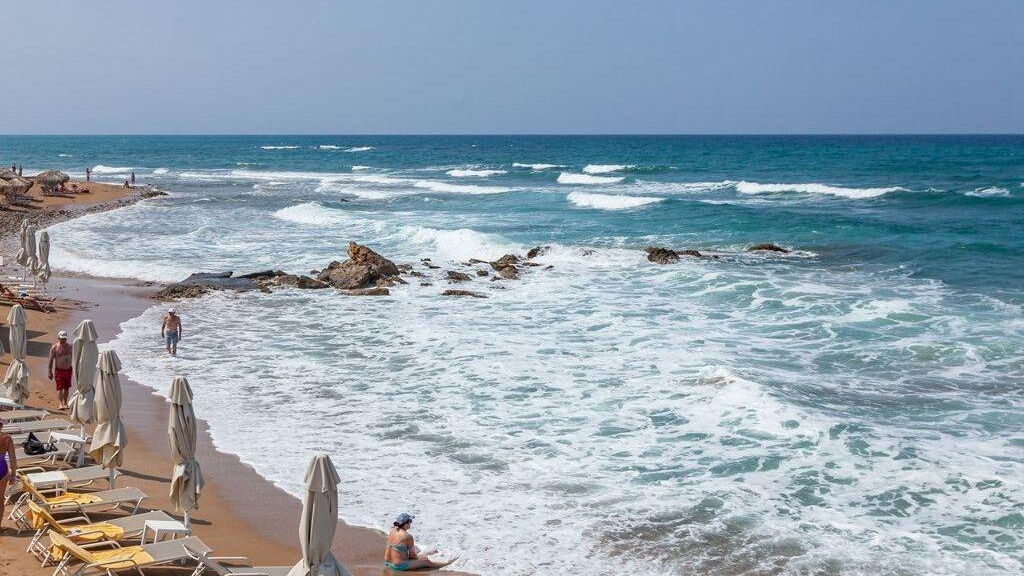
x=241, y=513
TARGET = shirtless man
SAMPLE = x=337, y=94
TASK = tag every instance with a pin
x=171, y=331
x=60, y=367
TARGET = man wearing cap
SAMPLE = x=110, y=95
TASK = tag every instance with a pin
x=171, y=331
x=59, y=367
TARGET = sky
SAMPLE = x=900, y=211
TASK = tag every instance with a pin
x=513, y=67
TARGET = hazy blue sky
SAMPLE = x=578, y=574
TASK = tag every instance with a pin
x=477, y=66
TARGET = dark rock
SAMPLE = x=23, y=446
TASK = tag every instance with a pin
x=462, y=293
x=390, y=281
x=768, y=248
x=548, y=267
x=314, y=272
x=363, y=268
x=477, y=261
x=178, y=291
x=262, y=274
x=432, y=267
x=509, y=273
x=454, y=276
x=405, y=267
x=219, y=281
x=506, y=260
x=368, y=292
x=425, y=284
x=482, y=272
x=416, y=273
x=303, y=282
x=693, y=253
x=208, y=276
x=536, y=251
x=587, y=252
x=661, y=255
x=532, y=264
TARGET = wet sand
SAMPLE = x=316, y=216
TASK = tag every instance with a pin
x=240, y=513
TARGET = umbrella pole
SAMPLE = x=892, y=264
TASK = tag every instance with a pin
x=188, y=520
x=111, y=477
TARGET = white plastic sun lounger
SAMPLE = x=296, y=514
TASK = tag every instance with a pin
x=80, y=529
x=37, y=426
x=12, y=417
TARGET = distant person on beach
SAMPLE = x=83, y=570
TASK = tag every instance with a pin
x=8, y=465
x=126, y=184
x=60, y=367
x=133, y=178
x=88, y=174
x=402, y=554
x=20, y=168
x=171, y=331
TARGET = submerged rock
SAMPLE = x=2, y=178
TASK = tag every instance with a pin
x=454, y=276
x=482, y=273
x=768, y=248
x=504, y=261
x=509, y=273
x=462, y=293
x=178, y=291
x=303, y=282
x=369, y=292
x=363, y=268
x=661, y=255
x=536, y=251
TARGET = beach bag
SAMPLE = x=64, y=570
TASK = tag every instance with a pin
x=32, y=445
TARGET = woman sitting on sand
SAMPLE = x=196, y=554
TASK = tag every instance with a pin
x=7, y=467
x=402, y=553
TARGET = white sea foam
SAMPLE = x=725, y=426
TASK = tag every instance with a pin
x=359, y=149
x=312, y=213
x=814, y=188
x=160, y=171
x=468, y=173
x=991, y=191
x=570, y=178
x=101, y=169
x=65, y=155
x=538, y=167
x=328, y=147
x=611, y=202
x=279, y=147
x=358, y=168
x=606, y=168
x=461, y=244
x=445, y=187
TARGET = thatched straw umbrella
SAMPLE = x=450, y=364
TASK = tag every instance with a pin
x=20, y=185
x=7, y=174
x=51, y=179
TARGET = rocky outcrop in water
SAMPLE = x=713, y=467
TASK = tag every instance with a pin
x=364, y=268
x=767, y=248
x=463, y=293
x=454, y=276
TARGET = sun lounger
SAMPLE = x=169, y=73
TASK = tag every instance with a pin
x=73, y=478
x=49, y=459
x=80, y=530
x=110, y=558
x=8, y=297
x=7, y=404
x=37, y=426
x=215, y=566
x=12, y=417
x=73, y=502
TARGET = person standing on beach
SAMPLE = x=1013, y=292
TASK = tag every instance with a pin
x=60, y=367
x=88, y=174
x=133, y=178
x=8, y=465
x=170, y=331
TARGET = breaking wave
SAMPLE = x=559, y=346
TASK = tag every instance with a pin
x=814, y=188
x=610, y=201
x=570, y=178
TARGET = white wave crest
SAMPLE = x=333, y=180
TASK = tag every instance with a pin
x=461, y=244
x=570, y=178
x=359, y=149
x=611, y=201
x=279, y=147
x=537, y=167
x=990, y=192
x=445, y=187
x=328, y=147
x=466, y=173
x=606, y=168
x=358, y=168
x=101, y=169
x=313, y=214
x=159, y=171
x=813, y=188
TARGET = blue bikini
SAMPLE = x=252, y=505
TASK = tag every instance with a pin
x=3, y=466
x=401, y=566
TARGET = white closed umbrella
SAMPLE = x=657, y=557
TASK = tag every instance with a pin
x=84, y=357
x=16, y=379
x=43, y=268
x=22, y=256
x=187, y=477
x=27, y=256
x=109, y=438
x=318, y=522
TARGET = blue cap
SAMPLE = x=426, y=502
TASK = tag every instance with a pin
x=404, y=518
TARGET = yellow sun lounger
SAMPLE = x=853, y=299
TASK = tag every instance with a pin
x=72, y=503
x=110, y=558
x=81, y=531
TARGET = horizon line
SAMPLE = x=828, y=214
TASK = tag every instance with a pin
x=515, y=134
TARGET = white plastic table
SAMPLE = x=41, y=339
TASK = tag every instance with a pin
x=46, y=479
x=161, y=528
x=76, y=440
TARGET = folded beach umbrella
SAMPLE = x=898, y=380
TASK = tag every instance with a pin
x=319, y=519
x=109, y=438
x=43, y=269
x=23, y=253
x=187, y=477
x=84, y=357
x=51, y=179
x=16, y=380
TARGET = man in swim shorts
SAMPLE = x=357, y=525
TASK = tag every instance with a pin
x=170, y=331
x=59, y=367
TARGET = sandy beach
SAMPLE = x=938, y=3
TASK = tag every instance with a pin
x=241, y=513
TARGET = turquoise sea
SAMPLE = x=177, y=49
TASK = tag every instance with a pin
x=853, y=407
